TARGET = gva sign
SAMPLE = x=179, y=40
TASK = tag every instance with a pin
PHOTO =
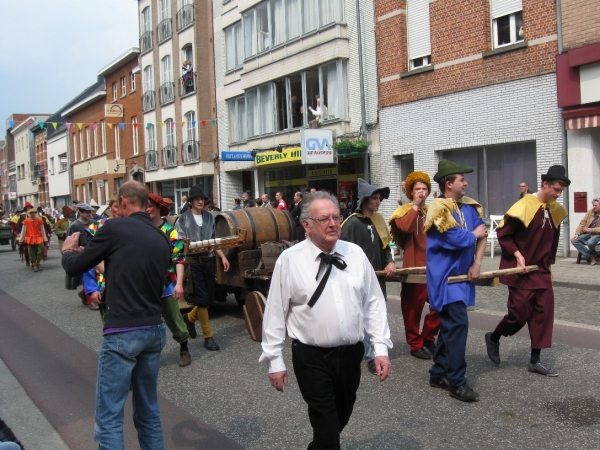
x=316, y=146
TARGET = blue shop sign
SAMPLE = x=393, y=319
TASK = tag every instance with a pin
x=236, y=156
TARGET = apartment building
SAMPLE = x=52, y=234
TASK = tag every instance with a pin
x=106, y=140
x=473, y=82
x=40, y=168
x=178, y=100
x=25, y=159
x=284, y=66
x=578, y=79
x=3, y=175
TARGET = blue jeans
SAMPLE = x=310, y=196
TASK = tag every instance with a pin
x=129, y=359
x=9, y=446
x=586, y=244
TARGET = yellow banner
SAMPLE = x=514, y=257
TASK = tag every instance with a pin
x=294, y=182
x=322, y=172
x=274, y=157
x=350, y=177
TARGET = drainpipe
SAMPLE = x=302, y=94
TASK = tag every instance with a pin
x=563, y=135
x=363, y=109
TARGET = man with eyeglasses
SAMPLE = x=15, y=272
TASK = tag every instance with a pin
x=367, y=228
x=524, y=189
x=326, y=316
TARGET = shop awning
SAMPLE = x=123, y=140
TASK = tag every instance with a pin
x=579, y=123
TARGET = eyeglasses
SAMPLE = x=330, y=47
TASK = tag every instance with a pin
x=325, y=220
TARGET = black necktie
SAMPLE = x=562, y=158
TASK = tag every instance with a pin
x=327, y=260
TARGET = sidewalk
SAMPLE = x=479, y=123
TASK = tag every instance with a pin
x=23, y=416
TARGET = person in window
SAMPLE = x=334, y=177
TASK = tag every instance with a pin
x=297, y=112
x=320, y=113
x=266, y=40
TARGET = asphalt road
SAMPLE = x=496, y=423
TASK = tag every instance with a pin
x=223, y=400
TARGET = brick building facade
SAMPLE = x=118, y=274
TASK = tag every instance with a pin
x=106, y=138
x=578, y=83
x=473, y=82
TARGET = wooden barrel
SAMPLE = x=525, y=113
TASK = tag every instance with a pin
x=261, y=225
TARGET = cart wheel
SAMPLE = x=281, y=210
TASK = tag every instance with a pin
x=254, y=310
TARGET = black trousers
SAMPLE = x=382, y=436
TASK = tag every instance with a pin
x=328, y=379
x=203, y=281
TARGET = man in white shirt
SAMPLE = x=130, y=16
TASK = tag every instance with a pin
x=326, y=316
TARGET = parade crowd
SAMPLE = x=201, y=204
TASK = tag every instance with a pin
x=327, y=292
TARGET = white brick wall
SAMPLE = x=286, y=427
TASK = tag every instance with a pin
x=518, y=110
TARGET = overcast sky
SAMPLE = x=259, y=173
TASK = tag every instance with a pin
x=51, y=50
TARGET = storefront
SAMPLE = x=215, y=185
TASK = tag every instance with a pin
x=176, y=189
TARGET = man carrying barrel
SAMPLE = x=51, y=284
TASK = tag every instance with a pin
x=197, y=225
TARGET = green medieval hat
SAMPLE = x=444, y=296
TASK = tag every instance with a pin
x=446, y=168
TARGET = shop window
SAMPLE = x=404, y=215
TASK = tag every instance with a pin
x=498, y=170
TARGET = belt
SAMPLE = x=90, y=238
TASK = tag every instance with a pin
x=339, y=348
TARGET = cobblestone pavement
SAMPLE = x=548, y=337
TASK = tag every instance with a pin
x=230, y=391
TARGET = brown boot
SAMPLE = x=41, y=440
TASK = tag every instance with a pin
x=35, y=267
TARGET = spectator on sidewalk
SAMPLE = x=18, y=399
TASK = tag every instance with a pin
x=587, y=235
x=136, y=255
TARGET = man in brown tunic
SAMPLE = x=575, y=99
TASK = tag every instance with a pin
x=407, y=226
x=529, y=235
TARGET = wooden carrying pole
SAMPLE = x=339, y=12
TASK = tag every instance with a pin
x=492, y=274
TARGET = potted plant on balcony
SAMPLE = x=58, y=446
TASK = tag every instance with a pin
x=351, y=148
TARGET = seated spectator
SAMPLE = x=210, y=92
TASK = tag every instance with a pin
x=258, y=202
x=587, y=234
x=248, y=202
x=237, y=203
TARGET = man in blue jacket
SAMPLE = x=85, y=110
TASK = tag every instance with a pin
x=456, y=236
x=136, y=257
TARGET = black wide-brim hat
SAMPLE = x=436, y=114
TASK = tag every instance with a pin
x=196, y=191
x=557, y=173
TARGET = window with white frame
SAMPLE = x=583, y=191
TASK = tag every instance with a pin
x=52, y=166
x=80, y=145
x=75, y=147
x=165, y=9
x=169, y=133
x=167, y=73
x=78, y=195
x=146, y=20
x=418, y=33
x=117, y=143
x=148, y=79
x=115, y=92
x=151, y=137
x=313, y=95
x=292, y=12
x=95, y=128
x=190, y=126
x=123, y=87
x=64, y=162
x=103, y=135
x=234, y=46
x=310, y=15
x=507, y=18
x=187, y=54
x=237, y=119
x=134, y=129
x=88, y=142
x=132, y=81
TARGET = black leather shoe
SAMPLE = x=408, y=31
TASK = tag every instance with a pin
x=440, y=383
x=429, y=346
x=191, y=327
x=211, y=345
x=421, y=354
x=463, y=393
x=493, y=348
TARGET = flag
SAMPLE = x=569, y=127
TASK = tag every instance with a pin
x=194, y=123
x=94, y=125
x=68, y=125
x=110, y=125
x=54, y=124
x=204, y=123
x=80, y=125
x=11, y=123
x=122, y=125
x=42, y=125
x=148, y=125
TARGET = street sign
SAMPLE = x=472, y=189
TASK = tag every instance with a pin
x=236, y=156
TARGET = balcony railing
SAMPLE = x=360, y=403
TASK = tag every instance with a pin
x=146, y=41
x=189, y=152
x=185, y=16
x=163, y=30
x=187, y=84
x=169, y=154
x=167, y=92
x=151, y=157
x=148, y=102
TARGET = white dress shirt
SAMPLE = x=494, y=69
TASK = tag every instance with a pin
x=351, y=303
